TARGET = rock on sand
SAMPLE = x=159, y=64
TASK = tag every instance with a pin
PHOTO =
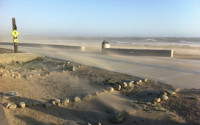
x=77, y=99
x=116, y=118
x=57, y=100
x=21, y=105
x=12, y=106
x=65, y=101
x=117, y=87
x=124, y=85
x=7, y=104
x=157, y=100
x=164, y=97
x=110, y=89
x=130, y=84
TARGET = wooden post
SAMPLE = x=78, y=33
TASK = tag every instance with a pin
x=15, y=37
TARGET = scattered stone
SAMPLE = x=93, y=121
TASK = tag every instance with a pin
x=124, y=85
x=57, y=100
x=117, y=87
x=77, y=99
x=157, y=100
x=21, y=105
x=171, y=93
x=53, y=102
x=12, y=75
x=148, y=103
x=7, y=104
x=140, y=81
x=160, y=109
x=10, y=94
x=65, y=101
x=145, y=80
x=74, y=68
x=116, y=118
x=130, y=84
x=12, y=106
x=164, y=93
x=47, y=105
x=164, y=97
x=110, y=89
x=89, y=124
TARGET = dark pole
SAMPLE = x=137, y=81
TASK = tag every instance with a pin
x=15, y=38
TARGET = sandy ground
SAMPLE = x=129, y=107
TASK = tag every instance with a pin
x=44, y=78
x=176, y=71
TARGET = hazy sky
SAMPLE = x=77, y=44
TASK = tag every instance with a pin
x=102, y=17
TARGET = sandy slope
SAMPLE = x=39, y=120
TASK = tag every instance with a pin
x=45, y=78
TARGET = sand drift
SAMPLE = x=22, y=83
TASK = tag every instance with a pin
x=180, y=72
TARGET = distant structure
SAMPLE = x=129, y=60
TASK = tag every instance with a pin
x=105, y=44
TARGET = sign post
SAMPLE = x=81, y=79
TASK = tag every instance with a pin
x=15, y=34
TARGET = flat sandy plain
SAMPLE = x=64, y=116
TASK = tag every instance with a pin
x=43, y=79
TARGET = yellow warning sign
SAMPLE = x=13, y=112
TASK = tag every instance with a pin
x=15, y=40
x=15, y=33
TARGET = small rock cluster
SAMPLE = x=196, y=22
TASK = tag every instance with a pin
x=155, y=104
x=98, y=123
x=70, y=66
x=7, y=73
x=139, y=105
x=36, y=103
x=57, y=102
x=121, y=85
x=164, y=96
x=14, y=106
x=74, y=68
x=50, y=103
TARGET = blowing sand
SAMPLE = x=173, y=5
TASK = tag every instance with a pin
x=43, y=79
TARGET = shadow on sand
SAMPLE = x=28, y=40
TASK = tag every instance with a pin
x=74, y=114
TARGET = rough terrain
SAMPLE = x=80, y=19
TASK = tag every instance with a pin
x=60, y=92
